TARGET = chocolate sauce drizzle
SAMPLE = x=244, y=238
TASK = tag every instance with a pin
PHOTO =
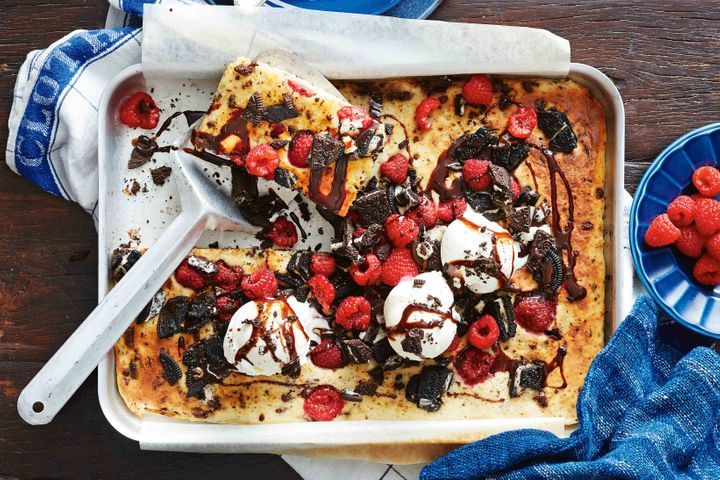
x=335, y=198
x=405, y=325
x=504, y=363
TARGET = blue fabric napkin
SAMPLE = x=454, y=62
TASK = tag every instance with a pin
x=646, y=411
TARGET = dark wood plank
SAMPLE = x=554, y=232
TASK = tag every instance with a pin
x=662, y=56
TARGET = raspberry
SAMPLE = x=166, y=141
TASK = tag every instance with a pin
x=323, y=291
x=452, y=209
x=707, y=216
x=707, y=181
x=323, y=403
x=227, y=277
x=523, y=122
x=226, y=306
x=358, y=232
x=395, y=169
x=713, y=246
x=707, y=271
x=473, y=365
x=425, y=213
x=261, y=161
x=299, y=149
x=401, y=230
x=515, y=188
x=353, y=314
x=283, y=233
x=422, y=112
x=259, y=284
x=690, y=242
x=661, y=232
x=300, y=89
x=535, y=314
x=682, y=211
x=476, y=174
x=140, y=110
x=400, y=264
x=188, y=277
x=368, y=272
x=484, y=332
x=359, y=117
x=322, y=264
x=478, y=90
x=327, y=354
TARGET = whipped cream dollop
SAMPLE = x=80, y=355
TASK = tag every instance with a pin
x=264, y=336
x=478, y=253
x=420, y=320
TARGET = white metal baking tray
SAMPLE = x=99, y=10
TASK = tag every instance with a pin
x=122, y=217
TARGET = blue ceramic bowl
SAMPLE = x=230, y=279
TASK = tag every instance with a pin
x=369, y=7
x=665, y=272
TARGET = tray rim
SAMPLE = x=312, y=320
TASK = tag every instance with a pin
x=129, y=425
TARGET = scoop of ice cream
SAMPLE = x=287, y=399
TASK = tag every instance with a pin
x=419, y=317
x=478, y=253
x=264, y=336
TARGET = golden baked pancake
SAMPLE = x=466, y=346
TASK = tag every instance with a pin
x=498, y=205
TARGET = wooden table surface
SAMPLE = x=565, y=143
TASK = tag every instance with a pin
x=662, y=56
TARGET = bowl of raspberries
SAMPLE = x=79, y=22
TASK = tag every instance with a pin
x=675, y=230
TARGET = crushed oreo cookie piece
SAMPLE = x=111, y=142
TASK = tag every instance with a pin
x=160, y=175
x=542, y=243
x=172, y=316
x=502, y=186
x=351, y=396
x=281, y=111
x=482, y=202
x=550, y=272
x=530, y=375
x=519, y=219
x=372, y=235
x=254, y=109
x=356, y=351
x=528, y=197
x=284, y=178
x=152, y=308
x=202, y=265
x=459, y=104
x=382, y=351
x=205, y=362
x=122, y=260
x=556, y=126
x=368, y=142
x=404, y=196
x=509, y=156
x=201, y=311
x=374, y=207
x=375, y=106
x=412, y=343
x=258, y=211
x=171, y=369
x=245, y=69
x=344, y=285
x=299, y=264
x=325, y=151
x=291, y=370
x=367, y=388
x=501, y=309
x=142, y=152
x=471, y=145
x=427, y=388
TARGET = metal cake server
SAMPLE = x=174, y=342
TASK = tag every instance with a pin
x=204, y=207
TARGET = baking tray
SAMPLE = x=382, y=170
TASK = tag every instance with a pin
x=123, y=217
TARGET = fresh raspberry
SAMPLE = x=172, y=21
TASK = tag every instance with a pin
x=425, y=213
x=661, y=232
x=707, y=271
x=188, y=277
x=300, y=89
x=368, y=272
x=401, y=230
x=299, y=149
x=535, y=314
x=690, y=242
x=140, y=110
x=712, y=245
x=323, y=291
x=259, y=284
x=322, y=264
x=473, y=365
x=452, y=209
x=327, y=354
x=226, y=306
x=261, y=161
x=283, y=233
x=707, y=181
x=323, y=403
x=522, y=122
x=484, y=332
x=478, y=90
x=515, y=188
x=395, y=169
x=356, y=115
x=696, y=197
x=476, y=174
x=399, y=265
x=227, y=277
x=353, y=314
x=682, y=211
x=707, y=216
x=422, y=112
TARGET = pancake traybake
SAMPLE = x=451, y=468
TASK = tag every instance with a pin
x=466, y=277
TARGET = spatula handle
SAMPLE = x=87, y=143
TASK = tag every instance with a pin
x=63, y=374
